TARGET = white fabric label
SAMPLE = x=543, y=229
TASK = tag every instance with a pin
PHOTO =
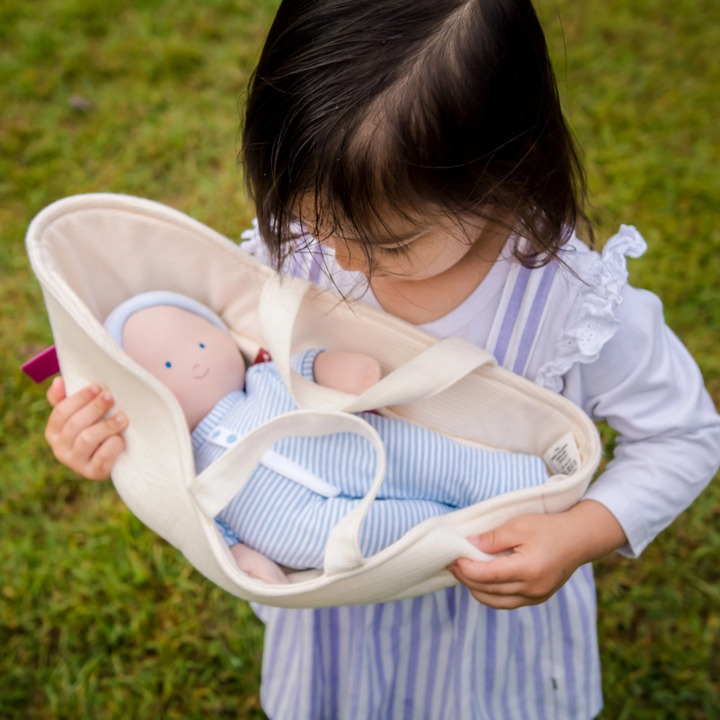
x=563, y=457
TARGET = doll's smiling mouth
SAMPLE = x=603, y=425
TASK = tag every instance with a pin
x=199, y=372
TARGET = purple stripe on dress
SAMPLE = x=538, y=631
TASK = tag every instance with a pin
x=431, y=680
x=395, y=655
x=490, y=659
x=334, y=632
x=450, y=597
x=587, y=649
x=511, y=313
x=357, y=627
x=459, y=649
x=477, y=691
x=532, y=325
x=296, y=270
x=540, y=637
x=415, y=630
x=567, y=642
x=317, y=262
x=520, y=668
x=449, y=659
x=318, y=671
x=377, y=636
x=511, y=644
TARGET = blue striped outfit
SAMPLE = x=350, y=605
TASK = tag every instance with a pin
x=427, y=474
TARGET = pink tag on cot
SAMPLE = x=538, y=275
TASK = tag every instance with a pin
x=45, y=365
x=42, y=366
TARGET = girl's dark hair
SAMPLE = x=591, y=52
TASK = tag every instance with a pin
x=414, y=106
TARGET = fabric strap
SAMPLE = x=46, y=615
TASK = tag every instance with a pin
x=325, y=411
x=427, y=374
x=214, y=488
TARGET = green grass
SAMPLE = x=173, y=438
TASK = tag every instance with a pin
x=101, y=619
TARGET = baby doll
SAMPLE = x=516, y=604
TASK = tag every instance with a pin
x=286, y=510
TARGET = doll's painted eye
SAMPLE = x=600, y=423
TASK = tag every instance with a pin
x=168, y=364
x=202, y=345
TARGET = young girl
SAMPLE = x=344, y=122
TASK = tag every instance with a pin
x=413, y=154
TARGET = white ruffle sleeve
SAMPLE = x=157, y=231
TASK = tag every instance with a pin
x=591, y=321
x=618, y=360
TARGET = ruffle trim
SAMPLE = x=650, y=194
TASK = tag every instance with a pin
x=252, y=243
x=592, y=322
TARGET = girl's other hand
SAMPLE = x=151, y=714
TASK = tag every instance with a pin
x=78, y=436
x=546, y=551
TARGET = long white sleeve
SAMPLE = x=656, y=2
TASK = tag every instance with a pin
x=648, y=388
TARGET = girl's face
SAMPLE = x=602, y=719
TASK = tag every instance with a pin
x=410, y=251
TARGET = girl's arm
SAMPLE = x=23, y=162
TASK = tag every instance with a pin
x=649, y=389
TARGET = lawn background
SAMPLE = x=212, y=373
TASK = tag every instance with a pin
x=101, y=619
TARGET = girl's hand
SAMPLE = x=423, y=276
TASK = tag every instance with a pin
x=78, y=436
x=545, y=551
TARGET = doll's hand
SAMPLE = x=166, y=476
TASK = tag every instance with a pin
x=78, y=436
x=350, y=372
x=546, y=551
x=257, y=566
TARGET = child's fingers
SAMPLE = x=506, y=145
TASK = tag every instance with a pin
x=510, y=602
x=85, y=416
x=56, y=391
x=513, y=587
x=496, y=589
x=499, y=571
x=506, y=537
x=89, y=440
x=104, y=458
x=66, y=408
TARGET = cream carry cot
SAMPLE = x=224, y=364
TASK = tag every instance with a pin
x=92, y=252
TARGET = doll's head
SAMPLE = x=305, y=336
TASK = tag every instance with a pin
x=184, y=345
x=362, y=116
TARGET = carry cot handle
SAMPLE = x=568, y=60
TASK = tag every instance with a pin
x=220, y=482
x=428, y=373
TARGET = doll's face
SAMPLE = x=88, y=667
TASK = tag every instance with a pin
x=198, y=362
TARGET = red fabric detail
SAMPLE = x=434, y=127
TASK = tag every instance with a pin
x=263, y=356
x=42, y=366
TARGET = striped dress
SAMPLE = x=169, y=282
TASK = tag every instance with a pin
x=583, y=332
x=443, y=656
x=427, y=474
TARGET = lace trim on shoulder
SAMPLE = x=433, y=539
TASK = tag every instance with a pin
x=592, y=322
x=252, y=243
x=307, y=261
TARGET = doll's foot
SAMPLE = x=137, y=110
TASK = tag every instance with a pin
x=257, y=566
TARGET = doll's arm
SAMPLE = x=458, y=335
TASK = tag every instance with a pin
x=257, y=566
x=349, y=372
